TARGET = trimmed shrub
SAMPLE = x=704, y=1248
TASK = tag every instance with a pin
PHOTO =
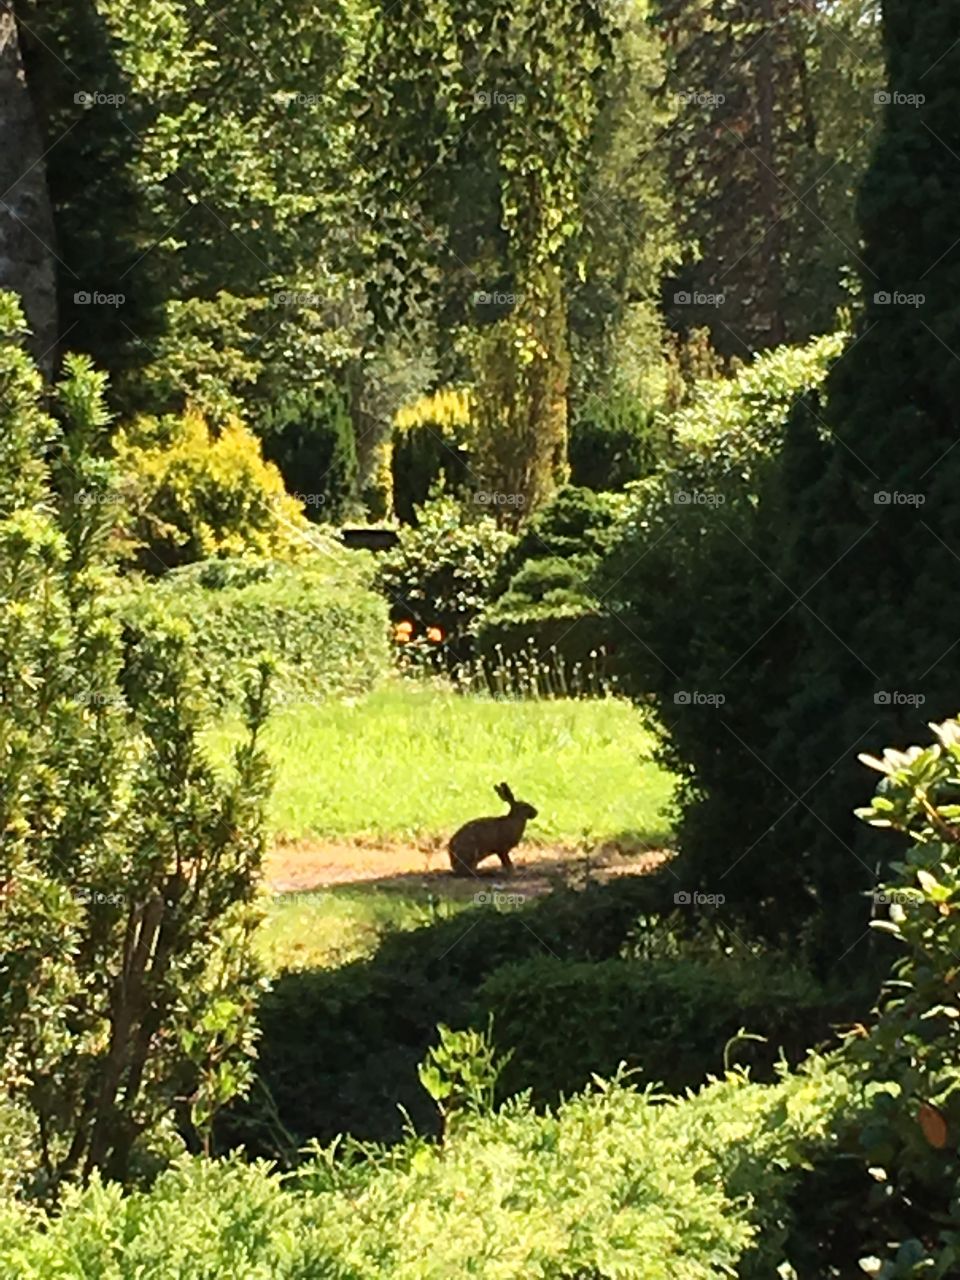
x=324, y=629
x=191, y=494
x=379, y=1014
x=545, y=610
x=613, y=441
x=311, y=440
x=701, y=616
x=733, y=427
x=577, y=524
x=668, y=1018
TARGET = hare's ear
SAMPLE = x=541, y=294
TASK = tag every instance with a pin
x=504, y=792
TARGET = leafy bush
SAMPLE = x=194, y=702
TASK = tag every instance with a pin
x=202, y=356
x=909, y=1139
x=616, y=1182
x=193, y=494
x=613, y=441
x=813, y=602
x=577, y=524
x=127, y=866
x=321, y=624
x=442, y=572
x=669, y=1018
x=733, y=426
x=545, y=608
x=311, y=440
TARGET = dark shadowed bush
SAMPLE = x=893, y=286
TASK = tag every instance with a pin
x=614, y=440
x=357, y=1033
x=310, y=438
x=669, y=1019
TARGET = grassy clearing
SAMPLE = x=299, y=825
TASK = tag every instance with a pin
x=413, y=761
x=330, y=927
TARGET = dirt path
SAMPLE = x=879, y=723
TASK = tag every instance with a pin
x=316, y=864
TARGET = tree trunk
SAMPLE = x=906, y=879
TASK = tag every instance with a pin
x=27, y=256
x=768, y=169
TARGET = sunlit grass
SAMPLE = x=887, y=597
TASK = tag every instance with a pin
x=415, y=760
x=330, y=927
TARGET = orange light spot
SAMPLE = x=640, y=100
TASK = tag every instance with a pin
x=934, y=1126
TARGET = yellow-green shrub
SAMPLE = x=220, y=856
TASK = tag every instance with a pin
x=195, y=494
x=614, y=1182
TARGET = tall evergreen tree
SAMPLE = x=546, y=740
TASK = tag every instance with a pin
x=829, y=620
x=874, y=547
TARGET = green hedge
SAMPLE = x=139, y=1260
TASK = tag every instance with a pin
x=358, y=1032
x=563, y=648
x=670, y=1018
x=544, y=611
x=325, y=628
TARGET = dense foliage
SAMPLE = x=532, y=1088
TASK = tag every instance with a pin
x=478, y=193
x=776, y=115
x=673, y=1019
x=380, y=1013
x=614, y=439
x=663, y=1192
x=526, y=283
x=128, y=869
x=189, y=494
x=440, y=576
x=794, y=637
x=320, y=623
x=691, y=602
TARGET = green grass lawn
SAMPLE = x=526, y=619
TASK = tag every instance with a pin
x=415, y=760
x=327, y=928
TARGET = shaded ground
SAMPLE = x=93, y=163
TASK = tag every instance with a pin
x=316, y=864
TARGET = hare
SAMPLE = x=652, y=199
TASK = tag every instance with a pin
x=484, y=837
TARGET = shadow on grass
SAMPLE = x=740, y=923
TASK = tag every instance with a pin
x=340, y=1047
x=577, y=980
